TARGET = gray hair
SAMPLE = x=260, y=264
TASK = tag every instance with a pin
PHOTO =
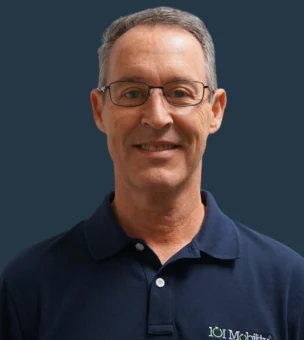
x=159, y=16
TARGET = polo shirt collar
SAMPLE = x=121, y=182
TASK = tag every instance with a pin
x=218, y=236
x=104, y=235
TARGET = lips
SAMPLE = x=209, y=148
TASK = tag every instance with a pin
x=161, y=147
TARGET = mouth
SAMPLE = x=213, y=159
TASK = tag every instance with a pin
x=156, y=148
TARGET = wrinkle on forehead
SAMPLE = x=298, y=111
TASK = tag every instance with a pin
x=157, y=49
x=159, y=39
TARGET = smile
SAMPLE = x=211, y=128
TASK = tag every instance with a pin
x=156, y=147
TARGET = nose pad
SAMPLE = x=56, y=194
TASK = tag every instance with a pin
x=156, y=113
x=158, y=97
x=162, y=94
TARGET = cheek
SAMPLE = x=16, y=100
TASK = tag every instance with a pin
x=197, y=126
x=113, y=137
x=119, y=127
x=203, y=125
x=111, y=125
x=203, y=114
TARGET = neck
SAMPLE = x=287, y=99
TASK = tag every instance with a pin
x=168, y=220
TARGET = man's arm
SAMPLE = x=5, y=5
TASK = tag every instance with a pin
x=296, y=310
x=298, y=326
x=9, y=322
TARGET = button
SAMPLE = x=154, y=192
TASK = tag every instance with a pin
x=139, y=246
x=160, y=282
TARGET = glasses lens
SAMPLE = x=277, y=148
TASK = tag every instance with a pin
x=184, y=93
x=127, y=93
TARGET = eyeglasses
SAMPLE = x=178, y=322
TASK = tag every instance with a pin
x=177, y=93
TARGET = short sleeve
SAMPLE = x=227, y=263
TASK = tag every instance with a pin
x=296, y=324
x=9, y=322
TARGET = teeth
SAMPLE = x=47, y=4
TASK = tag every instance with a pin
x=156, y=148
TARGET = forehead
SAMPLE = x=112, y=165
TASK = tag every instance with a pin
x=156, y=53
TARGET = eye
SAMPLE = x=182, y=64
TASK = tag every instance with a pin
x=179, y=94
x=133, y=94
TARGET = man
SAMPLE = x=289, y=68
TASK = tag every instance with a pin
x=158, y=259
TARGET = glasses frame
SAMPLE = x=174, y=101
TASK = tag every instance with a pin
x=150, y=87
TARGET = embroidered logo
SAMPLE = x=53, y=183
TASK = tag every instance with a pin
x=230, y=334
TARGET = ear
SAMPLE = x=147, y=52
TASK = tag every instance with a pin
x=218, y=108
x=97, y=107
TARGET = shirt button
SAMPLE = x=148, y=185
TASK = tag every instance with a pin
x=160, y=282
x=139, y=246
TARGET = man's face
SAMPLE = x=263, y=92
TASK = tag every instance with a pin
x=157, y=55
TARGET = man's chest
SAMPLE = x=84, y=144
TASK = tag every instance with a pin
x=163, y=306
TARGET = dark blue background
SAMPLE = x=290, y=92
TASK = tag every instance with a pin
x=55, y=168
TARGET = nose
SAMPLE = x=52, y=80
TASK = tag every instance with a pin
x=156, y=111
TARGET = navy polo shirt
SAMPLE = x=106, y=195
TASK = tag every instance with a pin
x=94, y=282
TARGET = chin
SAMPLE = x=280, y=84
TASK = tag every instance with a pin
x=157, y=183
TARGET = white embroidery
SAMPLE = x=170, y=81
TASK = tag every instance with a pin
x=229, y=334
